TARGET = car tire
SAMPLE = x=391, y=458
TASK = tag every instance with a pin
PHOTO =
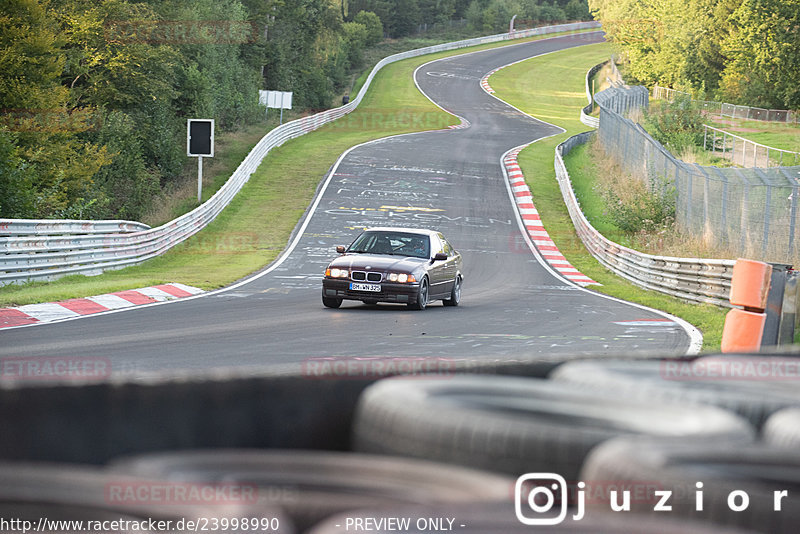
x=331, y=302
x=421, y=301
x=675, y=381
x=677, y=465
x=313, y=485
x=455, y=294
x=517, y=425
x=782, y=429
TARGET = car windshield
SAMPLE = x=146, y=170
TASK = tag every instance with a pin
x=392, y=243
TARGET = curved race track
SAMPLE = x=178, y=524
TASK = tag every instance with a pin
x=450, y=180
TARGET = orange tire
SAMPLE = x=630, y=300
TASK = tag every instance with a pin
x=743, y=331
x=750, y=284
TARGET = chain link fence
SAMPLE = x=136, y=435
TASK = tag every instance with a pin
x=732, y=111
x=749, y=212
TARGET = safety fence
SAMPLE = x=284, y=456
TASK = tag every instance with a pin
x=698, y=280
x=748, y=212
x=745, y=152
x=49, y=255
x=724, y=109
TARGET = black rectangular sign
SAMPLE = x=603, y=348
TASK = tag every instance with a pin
x=200, y=138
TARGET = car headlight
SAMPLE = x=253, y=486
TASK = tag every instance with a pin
x=337, y=273
x=402, y=278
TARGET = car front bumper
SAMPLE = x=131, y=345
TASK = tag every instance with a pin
x=390, y=292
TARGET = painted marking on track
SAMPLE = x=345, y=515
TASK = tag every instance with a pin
x=409, y=208
x=647, y=322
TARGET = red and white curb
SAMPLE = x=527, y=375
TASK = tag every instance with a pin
x=55, y=311
x=463, y=125
x=485, y=82
x=533, y=223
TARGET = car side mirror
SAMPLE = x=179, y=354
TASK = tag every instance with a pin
x=440, y=256
x=340, y=249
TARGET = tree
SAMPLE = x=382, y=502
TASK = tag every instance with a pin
x=405, y=18
x=764, y=46
x=436, y=11
x=50, y=166
x=373, y=24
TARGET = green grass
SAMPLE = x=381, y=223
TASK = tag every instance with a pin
x=252, y=231
x=551, y=88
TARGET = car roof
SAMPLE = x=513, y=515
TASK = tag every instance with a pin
x=421, y=231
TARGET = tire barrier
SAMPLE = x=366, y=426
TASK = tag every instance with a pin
x=311, y=486
x=732, y=383
x=46, y=257
x=285, y=407
x=513, y=425
x=697, y=280
x=782, y=429
x=738, y=481
x=62, y=492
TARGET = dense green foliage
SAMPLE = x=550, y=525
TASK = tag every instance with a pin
x=741, y=51
x=404, y=17
x=678, y=125
x=95, y=93
x=494, y=15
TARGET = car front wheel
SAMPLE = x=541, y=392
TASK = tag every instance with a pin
x=331, y=302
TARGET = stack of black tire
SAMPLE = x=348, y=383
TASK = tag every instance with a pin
x=446, y=453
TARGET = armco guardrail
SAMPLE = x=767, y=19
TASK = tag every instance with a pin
x=50, y=256
x=587, y=119
x=27, y=227
x=699, y=280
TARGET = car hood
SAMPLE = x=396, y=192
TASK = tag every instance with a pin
x=378, y=262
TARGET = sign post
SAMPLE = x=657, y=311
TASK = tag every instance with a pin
x=276, y=100
x=200, y=144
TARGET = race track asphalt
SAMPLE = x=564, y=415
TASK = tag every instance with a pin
x=450, y=180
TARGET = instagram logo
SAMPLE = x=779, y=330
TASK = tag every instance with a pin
x=539, y=494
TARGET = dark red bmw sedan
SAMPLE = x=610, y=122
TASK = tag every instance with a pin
x=398, y=265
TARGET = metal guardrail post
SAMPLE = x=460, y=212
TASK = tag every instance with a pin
x=777, y=327
x=790, y=314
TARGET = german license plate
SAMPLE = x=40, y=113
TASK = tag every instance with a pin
x=375, y=288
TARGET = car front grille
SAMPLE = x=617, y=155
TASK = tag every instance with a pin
x=363, y=276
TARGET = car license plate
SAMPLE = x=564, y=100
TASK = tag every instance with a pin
x=375, y=288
